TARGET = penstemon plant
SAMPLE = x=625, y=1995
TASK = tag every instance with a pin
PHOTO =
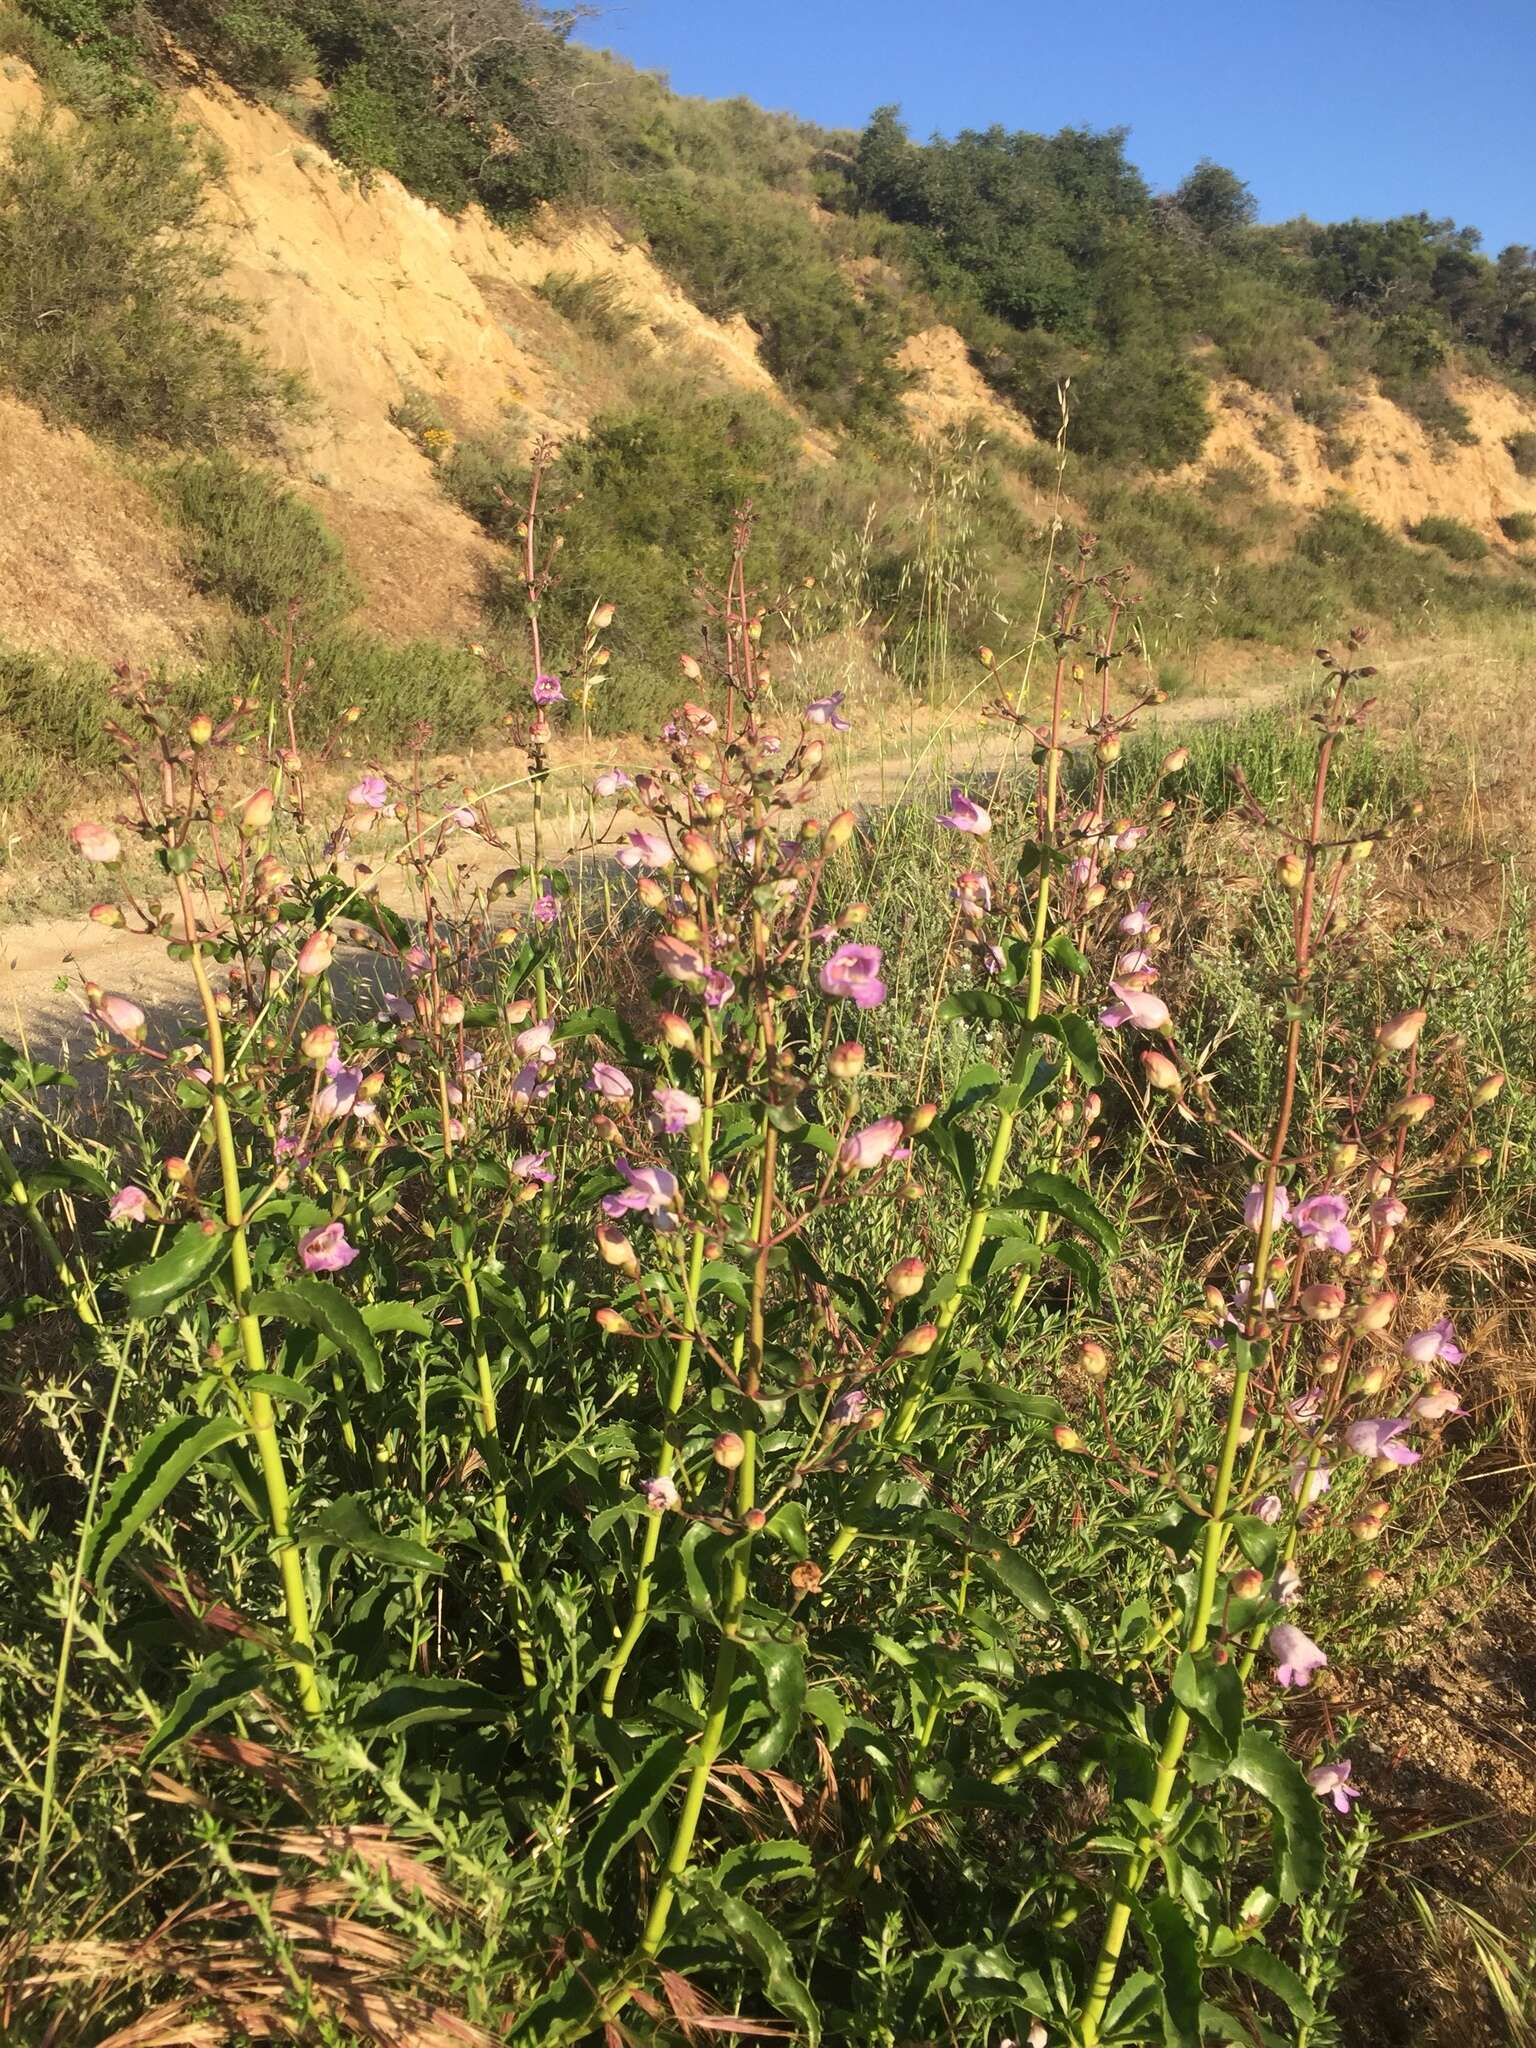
x=733, y=1511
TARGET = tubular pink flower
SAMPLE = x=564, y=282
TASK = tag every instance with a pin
x=533, y=1167
x=659, y=1494
x=1332, y=1781
x=1269, y=1508
x=1296, y=1656
x=966, y=815
x=1435, y=1346
x=611, y=782
x=339, y=1096
x=1377, y=1436
x=651, y=1190
x=674, y=1110
x=536, y=1043
x=316, y=954
x=853, y=972
x=678, y=962
x=607, y=1081
x=828, y=711
x=547, y=690
x=1321, y=1220
x=718, y=989
x=642, y=849
x=128, y=1205
x=122, y=1015
x=1306, y=1486
x=371, y=794
x=973, y=893
x=1137, y=920
x=863, y=1150
x=1136, y=1007
x=1437, y=1402
x=1253, y=1208
x=325, y=1249
x=96, y=842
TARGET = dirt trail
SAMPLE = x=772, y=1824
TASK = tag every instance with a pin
x=44, y=963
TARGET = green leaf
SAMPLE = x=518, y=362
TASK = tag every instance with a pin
x=634, y=1801
x=381, y=1316
x=823, y=1705
x=192, y=1253
x=216, y=1687
x=1211, y=1694
x=1062, y=950
x=402, y=1701
x=1172, y=1941
x=1081, y=1040
x=1263, y=1766
x=989, y=1004
x=320, y=1305
x=344, y=1525
x=166, y=1455
x=768, y=1949
x=782, y=1669
x=1087, y=1697
x=1058, y=1196
x=787, y=1524
x=1003, y=1568
x=755, y=1863
x=1266, y=1968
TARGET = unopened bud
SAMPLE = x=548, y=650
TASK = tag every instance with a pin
x=176, y=1168
x=905, y=1279
x=917, y=1343
x=1067, y=1438
x=921, y=1118
x=105, y=913
x=1161, y=1072
x=696, y=853
x=1486, y=1090
x=1342, y=1157
x=316, y=954
x=1370, y=1381
x=1375, y=1312
x=728, y=1450
x=256, y=813
x=1411, y=1109
x=200, y=729
x=1247, y=1584
x=450, y=1012
x=612, y=1324
x=1323, y=1303
x=846, y=1062
x=718, y=1186
x=689, y=667
x=1402, y=1031
x=841, y=829
x=616, y=1249
x=319, y=1043
x=1373, y=1579
x=754, y=1519
x=1093, y=1359
x=1477, y=1155
x=1108, y=747
x=1290, y=871
x=651, y=893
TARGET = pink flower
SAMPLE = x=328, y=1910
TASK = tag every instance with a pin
x=1321, y=1220
x=611, y=782
x=96, y=842
x=398, y=1008
x=1437, y=1402
x=608, y=1082
x=1388, y=1213
x=546, y=910
x=828, y=711
x=372, y=793
x=1135, y=1006
x=325, y=1249
x=966, y=815
x=853, y=972
x=1296, y=1655
x=660, y=1494
x=1435, y=1346
x=642, y=849
x=674, y=1110
x=1377, y=1436
x=718, y=989
x=1137, y=920
x=529, y=1086
x=316, y=954
x=1287, y=1585
x=339, y=1096
x=1331, y=1781
x=872, y=1146
x=1269, y=1508
x=651, y=1189
x=973, y=893
x=1136, y=963
x=535, y=1043
x=678, y=962
x=533, y=1167
x=128, y=1205
x=1253, y=1207
x=547, y=690
x=850, y=1406
x=120, y=1014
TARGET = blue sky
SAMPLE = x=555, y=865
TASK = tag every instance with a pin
x=1369, y=107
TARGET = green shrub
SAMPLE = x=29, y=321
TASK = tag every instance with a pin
x=1522, y=451
x=51, y=716
x=110, y=311
x=1452, y=537
x=595, y=304
x=1518, y=526
x=423, y=692
x=252, y=542
x=1427, y=399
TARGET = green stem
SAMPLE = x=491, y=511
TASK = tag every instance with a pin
x=676, y=1391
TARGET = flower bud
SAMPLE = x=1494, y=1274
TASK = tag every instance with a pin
x=450, y=1012
x=1173, y=762
x=1161, y=1073
x=1323, y=1303
x=318, y=1043
x=1093, y=1106
x=1370, y=1381
x=917, y=1343
x=517, y=1012
x=677, y=1032
x=689, y=667
x=600, y=617
x=1108, y=746
x=608, y=1320
x=696, y=853
x=1374, y=1312
x=1290, y=871
x=1247, y=1584
x=1373, y=1579
x=1067, y=1438
x=846, y=1062
x=1365, y=1528
x=1093, y=1359
x=176, y=1168
x=986, y=657
x=1477, y=1155
x=841, y=829
x=316, y=954
x=718, y=1186
x=256, y=813
x=616, y=1249
x=1486, y=1090
x=105, y=913
x=120, y=1014
x=352, y=714
x=728, y=1450
x=1402, y=1031
x=651, y=893
x=1094, y=895
x=1411, y=1109
x=905, y=1279
x=754, y=1519
x=96, y=842
x=921, y=1118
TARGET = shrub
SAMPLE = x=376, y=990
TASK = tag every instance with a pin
x=1518, y=526
x=1522, y=451
x=423, y=692
x=110, y=311
x=596, y=304
x=1137, y=407
x=1462, y=543
x=52, y=714
x=252, y=542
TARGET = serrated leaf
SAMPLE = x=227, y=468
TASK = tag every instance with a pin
x=823, y=1705
x=988, y=1004
x=384, y=1316
x=769, y=1950
x=1266, y=1968
x=634, y=1801
x=1003, y=1568
x=344, y=1525
x=1211, y=1694
x=191, y=1255
x=404, y=1699
x=166, y=1456
x=1066, y=954
x=781, y=1668
x=1263, y=1766
x=754, y=1863
x=321, y=1306
x=218, y=1685
x=1172, y=1940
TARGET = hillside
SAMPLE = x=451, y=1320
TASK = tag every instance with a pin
x=715, y=303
